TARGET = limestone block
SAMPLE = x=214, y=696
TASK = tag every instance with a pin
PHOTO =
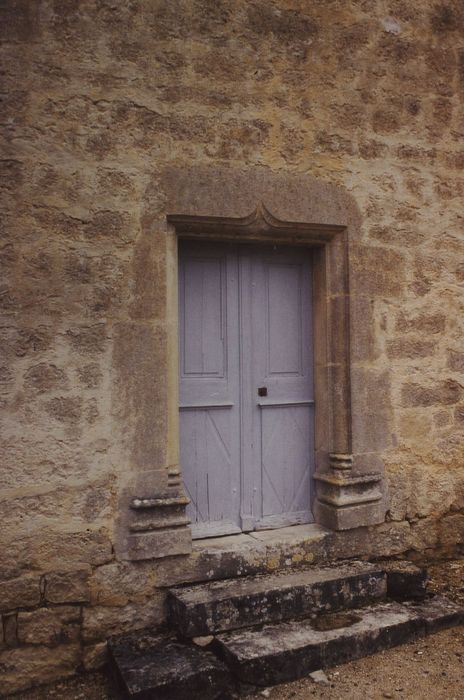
x=88, y=547
x=376, y=271
x=120, y=583
x=441, y=393
x=425, y=535
x=385, y=540
x=364, y=343
x=410, y=348
x=218, y=557
x=160, y=543
x=58, y=461
x=90, y=375
x=99, y=623
x=65, y=409
x=19, y=592
x=456, y=361
x=24, y=667
x=45, y=377
x=84, y=502
x=451, y=533
x=95, y=656
x=10, y=630
x=405, y=581
x=428, y=323
x=150, y=281
x=88, y=340
x=50, y=626
x=68, y=586
x=140, y=397
x=350, y=517
x=372, y=410
x=25, y=341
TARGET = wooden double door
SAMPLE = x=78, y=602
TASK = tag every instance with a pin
x=246, y=386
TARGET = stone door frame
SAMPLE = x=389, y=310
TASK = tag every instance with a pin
x=263, y=207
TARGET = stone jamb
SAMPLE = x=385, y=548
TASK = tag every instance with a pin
x=215, y=204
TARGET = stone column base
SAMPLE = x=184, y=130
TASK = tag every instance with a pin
x=345, y=501
x=159, y=528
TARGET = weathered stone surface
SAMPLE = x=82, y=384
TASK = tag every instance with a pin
x=386, y=540
x=438, y=613
x=410, y=348
x=43, y=377
x=85, y=269
x=48, y=548
x=95, y=656
x=371, y=419
x=445, y=393
x=100, y=622
x=350, y=517
x=10, y=630
x=50, y=626
x=35, y=665
x=265, y=551
x=205, y=609
x=88, y=340
x=377, y=271
x=456, y=361
x=430, y=324
x=20, y=592
x=68, y=586
x=405, y=581
x=346, y=500
x=159, y=544
x=119, y=583
x=150, y=666
x=291, y=650
x=140, y=398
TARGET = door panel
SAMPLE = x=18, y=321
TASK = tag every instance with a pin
x=278, y=295
x=285, y=468
x=209, y=395
x=283, y=309
x=245, y=323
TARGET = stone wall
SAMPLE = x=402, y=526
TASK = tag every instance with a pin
x=99, y=97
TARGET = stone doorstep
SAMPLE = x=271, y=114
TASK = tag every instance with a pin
x=291, y=650
x=405, y=580
x=260, y=540
x=208, y=608
x=150, y=666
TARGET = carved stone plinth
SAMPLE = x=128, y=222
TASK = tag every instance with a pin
x=346, y=500
x=159, y=526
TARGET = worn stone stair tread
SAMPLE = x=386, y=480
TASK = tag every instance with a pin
x=150, y=666
x=291, y=650
x=220, y=605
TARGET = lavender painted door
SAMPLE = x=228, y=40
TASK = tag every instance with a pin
x=245, y=386
x=209, y=387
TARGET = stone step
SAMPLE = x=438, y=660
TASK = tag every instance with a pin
x=291, y=650
x=150, y=666
x=204, y=609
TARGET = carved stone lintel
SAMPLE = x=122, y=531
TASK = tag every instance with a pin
x=259, y=223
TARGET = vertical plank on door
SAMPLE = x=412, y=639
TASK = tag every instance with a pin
x=281, y=433
x=209, y=396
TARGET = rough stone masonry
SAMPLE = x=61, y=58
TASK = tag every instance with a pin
x=99, y=97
